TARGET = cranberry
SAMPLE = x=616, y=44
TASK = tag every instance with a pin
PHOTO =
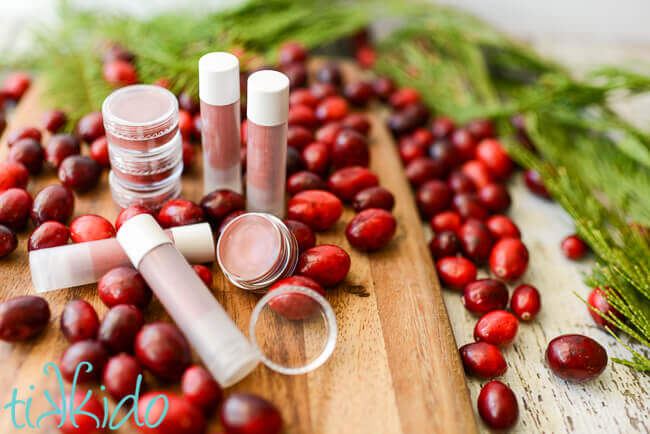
x=495, y=197
x=443, y=244
x=88, y=415
x=230, y=217
x=366, y=56
x=358, y=122
x=597, y=300
x=173, y=415
x=359, y=92
x=60, y=147
x=242, y=413
x=481, y=128
x=478, y=172
x=497, y=327
x=332, y=108
x=464, y=143
x=404, y=97
x=303, y=233
x=23, y=317
x=323, y=90
x=79, y=321
x=315, y=157
x=90, y=228
x=573, y=247
x=13, y=175
x=204, y=273
x=303, y=97
x=28, y=152
x=8, y=241
x=444, y=153
x=501, y=226
x=297, y=75
x=298, y=136
x=188, y=103
x=476, y=240
x=294, y=161
x=15, y=205
x=79, y=173
x=423, y=169
x=123, y=285
x=509, y=258
x=446, y=221
x=116, y=51
x=162, y=349
x=468, y=205
x=535, y=183
x=460, y=183
x=432, y=197
x=443, y=127
x=54, y=202
x=492, y=154
x=373, y=197
x=181, y=212
x=200, y=388
x=576, y=358
x=327, y=133
x=456, y=272
x=485, y=295
x=90, y=127
x=119, y=328
x=423, y=136
x=304, y=180
x=383, y=87
x=371, y=229
x=350, y=149
x=120, y=73
x=16, y=84
x=318, y=209
x=49, y=234
x=329, y=73
x=88, y=351
x=408, y=119
x=218, y=205
x=23, y=133
x=302, y=115
x=525, y=302
x=347, y=182
x=185, y=124
x=326, y=264
x=53, y=120
x=295, y=306
x=120, y=375
x=131, y=212
x=99, y=152
x=410, y=149
x=483, y=360
x=497, y=405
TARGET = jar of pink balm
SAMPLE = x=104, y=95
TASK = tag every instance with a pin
x=126, y=194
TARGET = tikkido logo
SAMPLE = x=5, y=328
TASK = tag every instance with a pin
x=67, y=411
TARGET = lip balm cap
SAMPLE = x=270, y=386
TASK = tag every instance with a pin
x=195, y=242
x=219, y=78
x=267, y=98
x=139, y=235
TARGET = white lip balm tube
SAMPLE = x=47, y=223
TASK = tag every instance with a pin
x=85, y=263
x=224, y=349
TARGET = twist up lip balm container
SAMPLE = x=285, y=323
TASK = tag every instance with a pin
x=84, y=263
x=219, y=95
x=268, y=114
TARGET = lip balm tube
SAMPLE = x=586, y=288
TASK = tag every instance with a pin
x=268, y=113
x=224, y=349
x=84, y=263
x=219, y=94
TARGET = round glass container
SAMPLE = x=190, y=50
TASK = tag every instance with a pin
x=126, y=194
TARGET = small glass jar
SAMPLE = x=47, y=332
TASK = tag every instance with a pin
x=126, y=194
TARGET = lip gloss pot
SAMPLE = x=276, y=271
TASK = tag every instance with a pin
x=268, y=113
x=219, y=94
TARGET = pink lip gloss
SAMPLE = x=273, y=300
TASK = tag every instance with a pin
x=226, y=352
x=84, y=263
x=268, y=113
x=220, y=121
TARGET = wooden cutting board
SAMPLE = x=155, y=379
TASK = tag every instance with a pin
x=395, y=369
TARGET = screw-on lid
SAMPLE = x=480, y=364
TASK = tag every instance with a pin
x=139, y=235
x=195, y=242
x=267, y=98
x=219, y=78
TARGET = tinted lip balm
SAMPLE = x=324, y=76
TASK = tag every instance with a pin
x=220, y=122
x=226, y=352
x=268, y=113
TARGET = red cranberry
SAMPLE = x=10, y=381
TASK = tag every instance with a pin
x=509, y=258
x=297, y=75
x=574, y=248
x=185, y=124
x=443, y=127
x=476, y=240
x=99, y=152
x=485, y=295
x=242, y=413
x=576, y=358
x=15, y=205
x=315, y=157
x=456, y=272
x=49, y=234
x=327, y=133
x=90, y=127
x=446, y=221
x=323, y=90
x=329, y=73
x=373, y=197
x=460, y=183
x=492, y=154
x=188, y=103
x=383, y=87
x=497, y=405
x=366, y=56
x=464, y=143
x=422, y=169
x=318, y=209
x=303, y=233
x=123, y=285
x=358, y=93
x=597, y=300
x=88, y=416
x=53, y=120
x=131, y=212
x=535, y=183
x=468, y=205
x=120, y=375
x=88, y=351
x=358, y=122
x=497, y=327
x=423, y=136
x=483, y=360
x=60, y=147
x=23, y=317
x=410, y=149
x=120, y=73
x=408, y=119
x=218, y=205
x=432, y=197
x=13, y=175
x=347, y=182
x=174, y=414
x=302, y=115
x=16, y=84
x=303, y=97
x=495, y=197
x=444, y=153
x=230, y=217
x=304, y=180
x=28, y=152
x=8, y=241
x=90, y=228
x=79, y=321
x=326, y=264
x=444, y=244
x=23, y=133
x=525, y=302
x=350, y=149
x=481, y=128
x=200, y=388
x=204, y=273
x=294, y=161
x=162, y=349
x=292, y=305
x=478, y=172
x=298, y=136
x=332, y=108
x=404, y=97
x=79, y=173
x=119, y=328
x=116, y=51
x=181, y=212
x=501, y=226
x=371, y=229
x=54, y=202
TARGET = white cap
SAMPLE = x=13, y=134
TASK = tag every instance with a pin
x=139, y=235
x=267, y=98
x=219, y=78
x=195, y=242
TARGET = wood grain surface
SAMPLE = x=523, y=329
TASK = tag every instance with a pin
x=395, y=369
